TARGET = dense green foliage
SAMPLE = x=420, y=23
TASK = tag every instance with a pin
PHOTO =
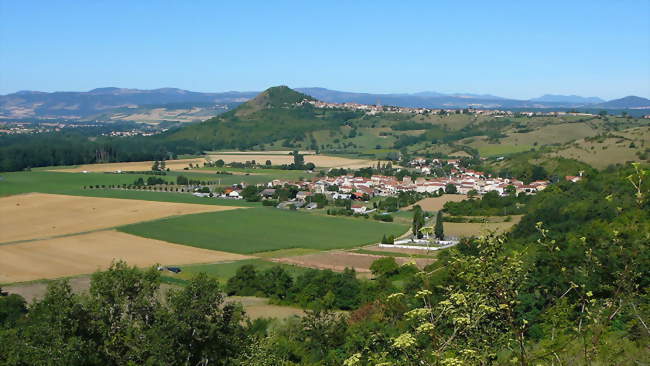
x=122, y=321
x=491, y=204
x=310, y=289
x=19, y=152
x=439, y=230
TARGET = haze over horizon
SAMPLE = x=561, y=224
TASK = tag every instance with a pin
x=518, y=51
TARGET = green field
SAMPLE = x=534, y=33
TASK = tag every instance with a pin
x=264, y=229
x=72, y=184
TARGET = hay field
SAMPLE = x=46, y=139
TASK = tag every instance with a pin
x=437, y=203
x=339, y=260
x=268, y=152
x=474, y=229
x=39, y=215
x=599, y=153
x=131, y=166
x=321, y=161
x=86, y=253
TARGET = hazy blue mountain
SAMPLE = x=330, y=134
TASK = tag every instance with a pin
x=626, y=102
x=567, y=99
x=73, y=105
x=427, y=99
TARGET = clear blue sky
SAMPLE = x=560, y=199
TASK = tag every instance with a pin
x=518, y=49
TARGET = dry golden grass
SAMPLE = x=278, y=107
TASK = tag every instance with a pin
x=270, y=152
x=257, y=307
x=475, y=229
x=437, y=203
x=132, y=166
x=86, y=253
x=38, y=215
x=321, y=161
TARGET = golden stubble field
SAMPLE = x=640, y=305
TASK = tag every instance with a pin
x=437, y=203
x=87, y=253
x=321, y=161
x=131, y=166
x=39, y=216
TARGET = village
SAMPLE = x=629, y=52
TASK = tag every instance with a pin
x=372, y=109
x=460, y=180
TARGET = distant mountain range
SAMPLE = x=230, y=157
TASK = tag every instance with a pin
x=103, y=101
x=567, y=99
x=116, y=103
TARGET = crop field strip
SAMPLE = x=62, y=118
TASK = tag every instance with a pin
x=265, y=229
x=131, y=166
x=38, y=215
x=73, y=184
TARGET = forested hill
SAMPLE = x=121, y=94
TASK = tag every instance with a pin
x=273, y=115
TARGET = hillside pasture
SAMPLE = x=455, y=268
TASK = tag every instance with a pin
x=87, y=253
x=136, y=166
x=38, y=215
x=629, y=145
x=265, y=229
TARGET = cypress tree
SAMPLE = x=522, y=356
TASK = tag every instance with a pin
x=438, y=229
x=418, y=221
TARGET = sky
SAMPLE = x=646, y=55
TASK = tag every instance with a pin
x=515, y=49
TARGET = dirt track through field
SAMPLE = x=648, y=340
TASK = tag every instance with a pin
x=339, y=260
x=40, y=216
x=132, y=166
x=87, y=253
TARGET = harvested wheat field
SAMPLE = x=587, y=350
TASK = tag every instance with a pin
x=87, y=253
x=474, y=229
x=135, y=166
x=437, y=203
x=39, y=215
x=339, y=260
x=321, y=161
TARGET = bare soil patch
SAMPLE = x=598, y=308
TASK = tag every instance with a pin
x=399, y=250
x=87, y=253
x=339, y=260
x=39, y=216
x=132, y=166
x=437, y=203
